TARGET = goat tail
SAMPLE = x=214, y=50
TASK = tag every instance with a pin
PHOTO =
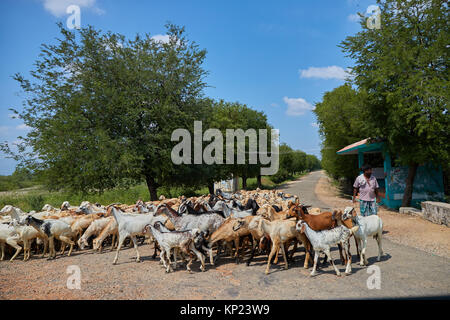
x=354, y=229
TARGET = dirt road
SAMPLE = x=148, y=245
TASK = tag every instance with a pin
x=405, y=272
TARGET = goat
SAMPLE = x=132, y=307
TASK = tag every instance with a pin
x=229, y=231
x=110, y=229
x=175, y=239
x=322, y=221
x=280, y=231
x=95, y=228
x=9, y=235
x=186, y=208
x=222, y=206
x=322, y=240
x=256, y=234
x=224, y=195
x=26, y=233
x=268, y=212
x=368, y=226
x=207, y=222
x=88, y=208
x=52, y=229
x=82, y=223
x=131, y=226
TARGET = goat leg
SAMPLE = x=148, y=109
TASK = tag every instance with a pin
x=138, y=256
x=283, y=251
x=341, y=256
x=316, y=257
x=291, y=256
x=252, y=254
x=2, y=247
x=272, y=252
x=13, y=243
x=121, y=239
x=236, y=244
x=328, y=253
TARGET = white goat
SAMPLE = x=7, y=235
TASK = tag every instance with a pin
x=323, y=240
x=131, y=226
x=88, y=208
x=368, y=226
x=26, y=233
x=9, y=235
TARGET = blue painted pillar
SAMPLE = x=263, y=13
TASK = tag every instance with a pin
x=360, y=159
x=387, y=169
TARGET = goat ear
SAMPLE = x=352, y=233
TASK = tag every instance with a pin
x=302, y=229
x=353, y=213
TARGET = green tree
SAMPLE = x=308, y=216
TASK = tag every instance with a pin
x=299, y=161
x=236, y=116
x=403, y=69
x=312, y=163
x=102, y=108
x=341, y=122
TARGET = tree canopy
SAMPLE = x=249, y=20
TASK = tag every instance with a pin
x=401, y=88
x=102, y=109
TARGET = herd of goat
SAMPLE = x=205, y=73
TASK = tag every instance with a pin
x=264, y=221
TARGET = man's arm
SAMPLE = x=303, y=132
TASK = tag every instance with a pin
x=376, y=192
x=377, y=195
x=355, y=193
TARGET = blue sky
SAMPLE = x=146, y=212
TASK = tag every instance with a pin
x=279, y=57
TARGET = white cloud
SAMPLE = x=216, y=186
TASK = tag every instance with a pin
x=354, y=17
x=22, y=126
x=297, y=106
x=58, y=7
x=332, y=72
x=161, y=37
x=314, y=124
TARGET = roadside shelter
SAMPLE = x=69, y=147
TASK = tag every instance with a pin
x=428, y=183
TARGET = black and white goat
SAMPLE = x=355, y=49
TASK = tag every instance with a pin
x=207, y=222
x=51, y=229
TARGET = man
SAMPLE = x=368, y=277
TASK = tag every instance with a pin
x=367, y=185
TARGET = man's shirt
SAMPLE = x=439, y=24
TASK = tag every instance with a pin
x=366, y=188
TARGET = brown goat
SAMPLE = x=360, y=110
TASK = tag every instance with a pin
x=322, y=221
x=231, y=230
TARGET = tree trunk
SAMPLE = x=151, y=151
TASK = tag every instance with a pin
x=258, y=181
x=211, y=187
x=152, y=187
x=407, y=195
x=244, y=182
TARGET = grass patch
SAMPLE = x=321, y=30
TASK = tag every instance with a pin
x=36, y=199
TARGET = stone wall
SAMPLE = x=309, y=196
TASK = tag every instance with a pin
x=436, y=212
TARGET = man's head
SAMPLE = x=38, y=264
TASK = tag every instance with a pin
x=367, y=170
